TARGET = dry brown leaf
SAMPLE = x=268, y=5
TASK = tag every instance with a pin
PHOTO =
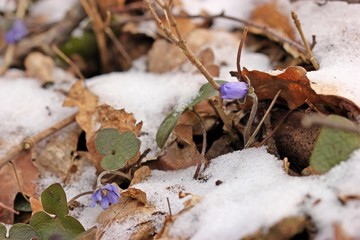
x=108, y=5
x=135, y=194
x=284, y=229
x=296, y=90
x=129, y=208
x=140, y=175
x=293, y=140
x=181, y=153
x=207, y=58
x=53, y=154
x=339, y=233
x=164, y=56
x=269, y=15
x=79, y=96
x=27, y=174
x=184, y=25
x=119, y=119
x=40, y=67
x=169, y=221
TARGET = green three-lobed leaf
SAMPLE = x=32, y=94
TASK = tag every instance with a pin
x=117, y=147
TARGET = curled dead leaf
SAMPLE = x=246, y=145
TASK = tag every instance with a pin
x=40, y=67
x=140, y=174
x=79, y=96
x=119, y=119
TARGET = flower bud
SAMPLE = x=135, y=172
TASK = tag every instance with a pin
x=233, y=90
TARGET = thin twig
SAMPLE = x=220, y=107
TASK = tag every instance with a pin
x=98, y=27
x=168, y=202
x=252, y=113
x=180, y=43
x=18, y=181
x=238, y=57
x=8, y=208
x=121, y=174
x=28, y=143
x=217, y=105
x=251, y=139
x=307, y=47
x=267, y=137
x=203, y=147
x=68, y=61
x=79, y=195
x=316, y=120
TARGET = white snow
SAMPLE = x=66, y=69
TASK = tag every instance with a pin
x=256, y=192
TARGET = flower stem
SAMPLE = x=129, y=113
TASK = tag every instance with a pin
x=101, y=175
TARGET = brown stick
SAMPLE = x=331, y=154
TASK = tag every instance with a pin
x=238, y=57
x=179, y=42
x=307, y=47
x=68, y=61
x=28, y=143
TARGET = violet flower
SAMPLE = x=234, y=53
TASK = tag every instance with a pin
x=233, y=90
x=16, y=32
x=105, y=195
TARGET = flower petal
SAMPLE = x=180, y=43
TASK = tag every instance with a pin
x=113, y=198
x=98, y=194
x=16, y=32
x=115, y=190
x=105, y=202
x=93, y=202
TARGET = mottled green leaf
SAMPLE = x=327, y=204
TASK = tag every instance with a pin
x=54, y=200
x=107, y=140
x=113, y=162
x=333, y=145
x=56, y=228
x=22, y=231
x=129, y=145
x=168, y=124
x=3, y=231
x=21, y=204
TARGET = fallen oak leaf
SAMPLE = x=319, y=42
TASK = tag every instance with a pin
x=296, y=90
x=293, y=83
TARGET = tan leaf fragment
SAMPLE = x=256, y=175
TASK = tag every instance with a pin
x=130, y=215
x=40, y=67
x=164, y=234
x=135, y=193
x=27, y=174
x=140, y=175
x=269, y=15
x=181, y=153
x=79, y=96
x=54, y=154
x=284, y=229
x=119, y=119
x=164, y=56
x=339, y=233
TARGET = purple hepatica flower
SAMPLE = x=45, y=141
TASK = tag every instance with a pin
x=105, y=195
x=233, y=90
x=16, y=32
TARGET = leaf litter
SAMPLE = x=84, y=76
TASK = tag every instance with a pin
x=256, y=195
